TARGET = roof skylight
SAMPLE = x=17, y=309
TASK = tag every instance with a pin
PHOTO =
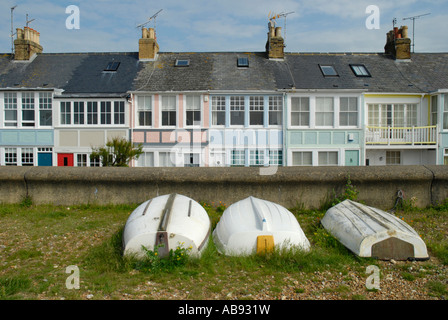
x=360, y=70
x=182, y=63
x=328, y=70
x=112, y=66
x=243, y=62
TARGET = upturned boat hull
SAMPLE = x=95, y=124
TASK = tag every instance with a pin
x=254, y=225
x=371, y=232
x=166, y=223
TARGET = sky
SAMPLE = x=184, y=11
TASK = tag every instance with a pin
x=225, y=25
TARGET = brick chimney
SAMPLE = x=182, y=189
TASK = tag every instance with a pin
x=275, y=44
x=398, y=43
x=147, y=45
x=27, y=44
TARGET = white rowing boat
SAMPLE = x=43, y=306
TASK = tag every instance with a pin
x=166, y=222
x=255, y=225
x=371, y=232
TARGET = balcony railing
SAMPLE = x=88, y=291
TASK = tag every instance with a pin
x=401, y=136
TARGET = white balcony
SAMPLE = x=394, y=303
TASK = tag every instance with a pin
x=393, y=136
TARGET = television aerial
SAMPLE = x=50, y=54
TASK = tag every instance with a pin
x=149, y=20
x=413, y=27
x=273, y=17
x=28, y=21
x=12, y=29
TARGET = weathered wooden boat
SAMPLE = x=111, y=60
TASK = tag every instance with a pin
x=254, y=225
x=166, y=222
x=371, y=232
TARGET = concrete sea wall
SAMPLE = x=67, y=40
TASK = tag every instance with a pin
x=309, y=187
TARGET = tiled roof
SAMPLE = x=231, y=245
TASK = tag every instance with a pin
x=423, y=73
x=45, y=71
x=82, y=74
x=77, y=74
x=206, y=71
x=163, y=75
x=90, y=76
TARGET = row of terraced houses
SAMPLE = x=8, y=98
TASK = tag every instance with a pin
x=267, y=108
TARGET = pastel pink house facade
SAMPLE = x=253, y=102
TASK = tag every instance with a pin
x=172, y=127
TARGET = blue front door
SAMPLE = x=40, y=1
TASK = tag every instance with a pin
x=45, y=159
x=352, y=158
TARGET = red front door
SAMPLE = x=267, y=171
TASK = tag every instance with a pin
x=65, y=159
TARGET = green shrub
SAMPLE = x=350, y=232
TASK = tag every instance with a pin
x=153, y=262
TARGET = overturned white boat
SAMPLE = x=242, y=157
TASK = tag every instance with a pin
x=371, y=232
x=253, y=225
x=166, y=222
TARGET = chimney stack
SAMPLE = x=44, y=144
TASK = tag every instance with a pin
x=275, y=44
x=398, y=43
x=148, y=47
x=27, y=44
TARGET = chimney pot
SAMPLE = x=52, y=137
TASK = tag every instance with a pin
x=278, y=32
x=398, y=43
x=404, y=32
x=27, y=44
x=271, y=31
x=148, y=47
x=275, y=44
x=144, y=33
x=151, y=33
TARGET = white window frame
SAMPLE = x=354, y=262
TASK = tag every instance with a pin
x=354, y=113
x=193, y=104
x=218, y=107
x=195, y=156
x=257, y=157
x=19, y=156
x=385, y=114
x=94, y=113
x=237, y=105
x=106, y=111
x=82, y=162
x=315, y=156
x=119, y=114
x=321, y=110
x=434, y=110
x=275, y=157
x=169, y=104
x=445, y=112
x=392, y=154
x=237, y=157
x=302, y=113
x=95, y=162
x=28, y=104
x=65, y=116
x=256, y=107
x=145, y=105
x=10, y=103
x=275, y=105
x=301, y=152
x=79, y=111
x=45, y=107
x=142, y=160
x=327, y=152
x=10, y=156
